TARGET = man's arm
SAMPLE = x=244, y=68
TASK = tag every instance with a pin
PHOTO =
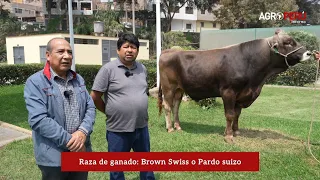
x=100, y=86
x=38, y=119
x=97, y=99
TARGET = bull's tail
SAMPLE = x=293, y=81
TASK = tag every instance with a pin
x=160, y=99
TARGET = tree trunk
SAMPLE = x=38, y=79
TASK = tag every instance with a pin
x=49, y=4
x=168, y=24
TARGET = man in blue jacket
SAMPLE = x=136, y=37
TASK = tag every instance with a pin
x=61, y=112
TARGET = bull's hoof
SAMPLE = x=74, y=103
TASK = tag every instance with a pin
x=228, y=139
x=236, y=133
x=177, y=126
x=170, y=130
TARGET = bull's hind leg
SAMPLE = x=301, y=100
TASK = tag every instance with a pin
x=235, y=126
x=168, y=104
x=229, y=102
x=177, y=100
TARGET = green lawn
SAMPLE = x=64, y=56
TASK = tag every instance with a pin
x=276, y=125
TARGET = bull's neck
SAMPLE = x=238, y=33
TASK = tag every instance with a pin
x=267, y=62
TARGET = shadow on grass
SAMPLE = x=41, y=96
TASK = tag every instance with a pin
x=264, y=134
x=195, y=128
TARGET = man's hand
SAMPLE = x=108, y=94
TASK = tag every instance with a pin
x=317, y=55
x=76, y=142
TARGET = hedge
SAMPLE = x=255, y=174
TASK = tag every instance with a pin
x=18, y=74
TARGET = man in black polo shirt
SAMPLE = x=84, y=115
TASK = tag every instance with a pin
x=124, y=85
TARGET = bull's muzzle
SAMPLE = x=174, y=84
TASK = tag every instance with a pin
x=306, y=56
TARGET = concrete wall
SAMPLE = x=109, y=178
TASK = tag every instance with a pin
x=180, y=25
x=31, y=46
x=211, y=39
x=83, y=53
x=207, y=25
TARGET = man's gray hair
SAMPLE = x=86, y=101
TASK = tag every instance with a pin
x=49, y=47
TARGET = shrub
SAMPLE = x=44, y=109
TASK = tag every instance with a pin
x=207, y=103
x=171, y=39
x=151, y=66
x=88, y=72
x=19, y=73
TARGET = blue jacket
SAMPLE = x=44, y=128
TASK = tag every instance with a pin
x=47, y=120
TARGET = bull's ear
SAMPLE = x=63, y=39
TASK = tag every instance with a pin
x=278, y=31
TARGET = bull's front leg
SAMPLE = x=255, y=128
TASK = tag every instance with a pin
x=229, y=102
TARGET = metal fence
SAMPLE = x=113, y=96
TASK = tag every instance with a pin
x=211, y=39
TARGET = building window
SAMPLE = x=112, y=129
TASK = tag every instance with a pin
x=85, y=6
x=214, y=25
x=188, y=26
x=84, y=41
x=74, y=5
x=189, y=10
x=54, y=5
x=203, y=12
x=177, y=9
x=17, y=10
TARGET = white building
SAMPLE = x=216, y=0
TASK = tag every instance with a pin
x=190, y=19
x=95, y=50
x=25, y=10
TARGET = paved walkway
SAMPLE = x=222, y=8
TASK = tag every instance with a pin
x=9, y=133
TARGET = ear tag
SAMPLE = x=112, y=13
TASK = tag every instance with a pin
x=275, y=50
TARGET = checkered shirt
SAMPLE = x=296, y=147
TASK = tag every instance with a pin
x=70, y=105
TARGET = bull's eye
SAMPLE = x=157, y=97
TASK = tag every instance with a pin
x=288, y=43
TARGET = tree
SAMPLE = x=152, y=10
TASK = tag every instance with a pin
x=245, y=13
x=111, y=19
x=312, y=8
x=125, y=5
x=2, y=4
x=170, y=7
x=175, y=40
x=49, y=6
x=9, y=26
x=85, y=27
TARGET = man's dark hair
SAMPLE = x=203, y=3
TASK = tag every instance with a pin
x=128, y=37
x=49, y=47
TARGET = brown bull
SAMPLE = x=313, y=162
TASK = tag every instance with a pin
x=235, y=73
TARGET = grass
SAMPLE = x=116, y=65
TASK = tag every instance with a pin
x=276, y=125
